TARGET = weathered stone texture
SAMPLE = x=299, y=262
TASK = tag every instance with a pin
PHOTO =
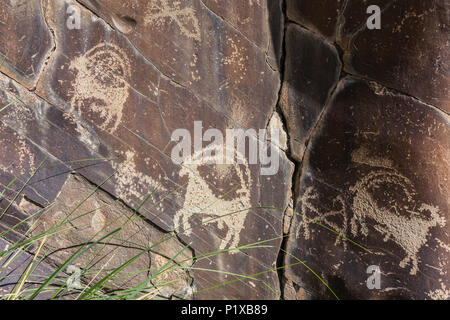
x=312, y=69
x=366, y=114
x=25, y=41
x=221, y=62
x=13, y=266
x=321, y=16
x=105, y=106
x=96, y=217
x=410, y=53
x=375, y=166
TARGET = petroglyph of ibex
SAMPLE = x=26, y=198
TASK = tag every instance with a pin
x=164, y=11
x=406, y=224
x=200, y=200
x=396, y=214
x=100, y=87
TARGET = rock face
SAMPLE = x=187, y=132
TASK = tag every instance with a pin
x=94, y=91
x=388, y=197
x=370, y=128
x=25, y=39
x=12, y=267
x=101, y=111
x=102, y=215
x=313, y=69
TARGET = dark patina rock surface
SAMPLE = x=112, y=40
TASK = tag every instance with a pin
x=375, y=170
x=113, y=92
x=312, y=69
x=26, y=41
x=363, y=175
x=374, y=174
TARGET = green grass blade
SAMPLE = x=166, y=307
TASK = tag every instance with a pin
x=73, y=257
x=22, y=188
x=325, y=227
x=7, y=106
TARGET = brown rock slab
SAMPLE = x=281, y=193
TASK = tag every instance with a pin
x=37, y=152
x=248, y=16
x=25, y=40
x=410, y=53
x=109, y=97
x=312, y=70
x=376, y=172
x=12, y=267
x=333, y=20
x=221, y=62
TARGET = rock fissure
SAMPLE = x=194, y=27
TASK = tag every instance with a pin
x=53, y=49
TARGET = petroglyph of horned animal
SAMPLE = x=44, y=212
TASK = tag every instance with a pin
x=407, y=223
x=100, y=87
x=308, y=206
x=200, y=200
x=185, y=18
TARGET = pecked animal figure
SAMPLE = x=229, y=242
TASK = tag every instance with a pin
x=202, y=201
x=407, y=224
x=100, y=87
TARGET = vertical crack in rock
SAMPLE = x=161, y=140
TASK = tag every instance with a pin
x=334, y=50
x=53, y=49
x=280, y=264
